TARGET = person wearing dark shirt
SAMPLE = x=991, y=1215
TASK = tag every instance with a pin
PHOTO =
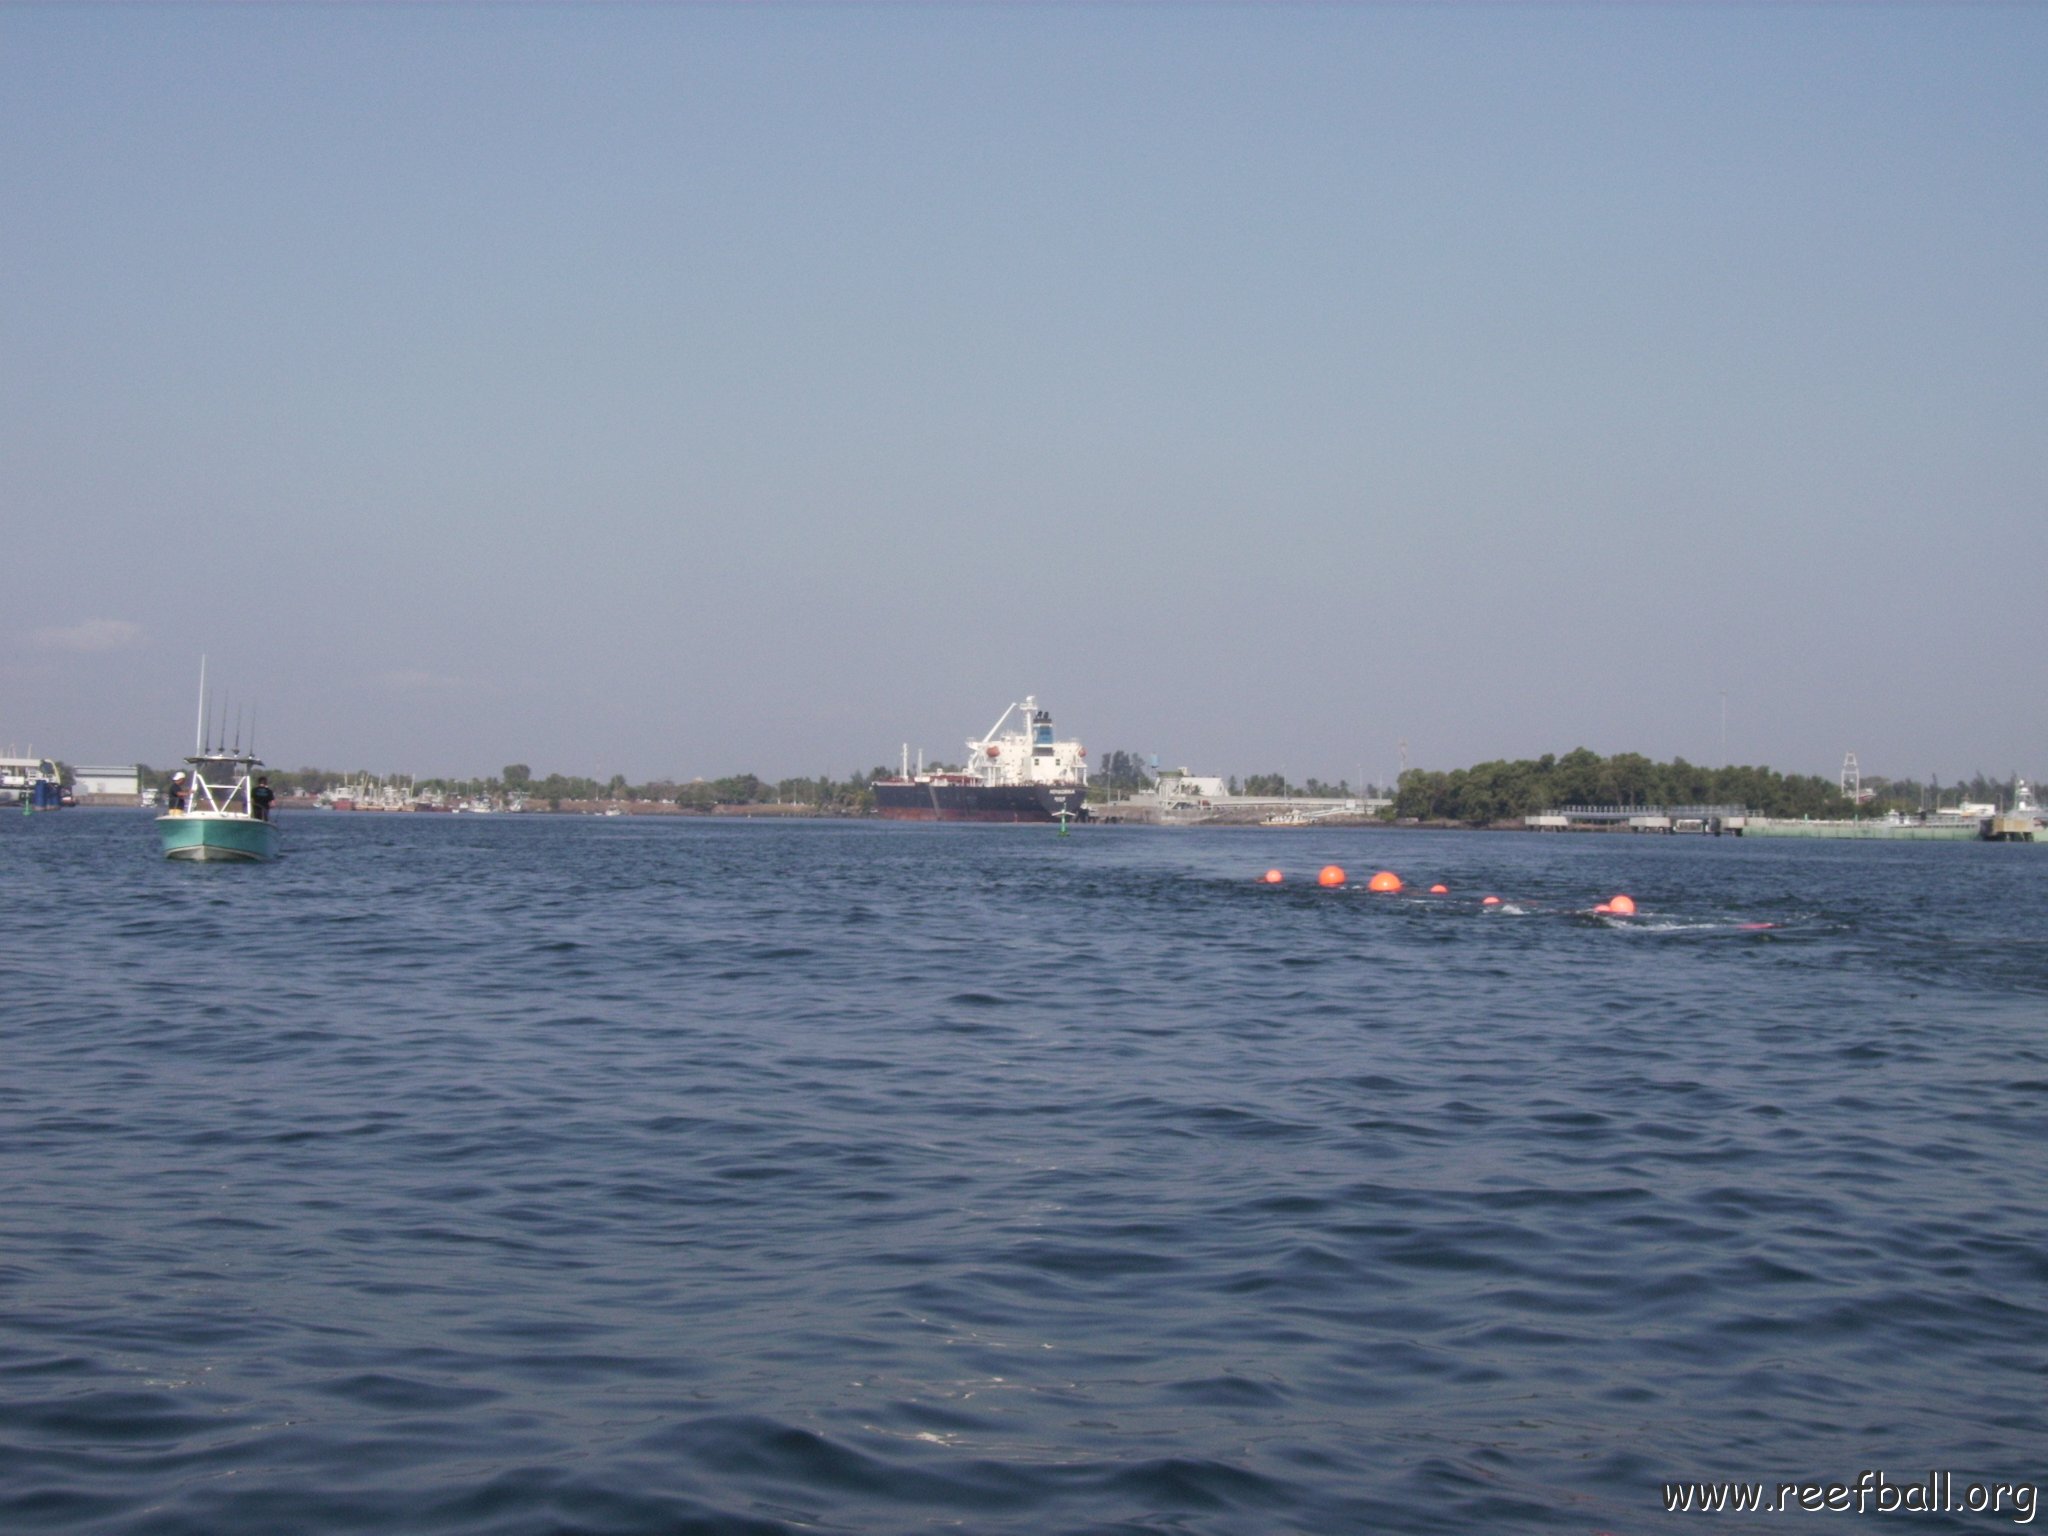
x=174, y=794
x=260, y=797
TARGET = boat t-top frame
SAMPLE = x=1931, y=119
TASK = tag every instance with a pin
x=231, y=791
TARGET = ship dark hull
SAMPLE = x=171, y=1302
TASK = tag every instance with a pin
x=901, y=801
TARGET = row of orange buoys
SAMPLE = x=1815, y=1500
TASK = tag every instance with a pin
x=1387, y=883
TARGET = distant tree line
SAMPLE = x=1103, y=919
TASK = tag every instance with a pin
x=1125, y=773
x=1277, y=785
x=1482, y=794
x=1119, y=773
x=850, y=796
x=286, y=781
x=1500, y=791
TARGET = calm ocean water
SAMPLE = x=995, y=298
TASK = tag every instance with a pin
x=496, y=1176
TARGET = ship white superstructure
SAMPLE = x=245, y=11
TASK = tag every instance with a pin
x=1027, y=756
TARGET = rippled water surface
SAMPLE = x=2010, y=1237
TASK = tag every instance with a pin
x=521, y=1175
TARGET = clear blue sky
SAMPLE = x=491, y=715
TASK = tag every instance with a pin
x=671, y=390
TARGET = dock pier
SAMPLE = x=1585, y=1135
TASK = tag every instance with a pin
x=1711, y=820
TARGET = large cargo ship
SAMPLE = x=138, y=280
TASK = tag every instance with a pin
x=1019, y=775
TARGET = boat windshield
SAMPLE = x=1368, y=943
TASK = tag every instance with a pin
x=221, y=784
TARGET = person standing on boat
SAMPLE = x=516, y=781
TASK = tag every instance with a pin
x=261, y=796
x=174, y=792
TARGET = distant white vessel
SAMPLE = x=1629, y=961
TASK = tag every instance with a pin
x=1966, y=810
x=2024, y=823
x=32, y=781
x=368, y=794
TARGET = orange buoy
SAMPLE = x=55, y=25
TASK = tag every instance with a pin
x=1331, y=874
x=1385, y=880
x=1272, y=877
x=1618, y=906
x=1439, y=890
x=1489, y=901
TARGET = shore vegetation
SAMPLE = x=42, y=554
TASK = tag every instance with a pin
x=1503, y=791
x=1482, y=795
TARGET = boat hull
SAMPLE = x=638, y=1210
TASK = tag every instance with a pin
x=912, y=801
x=214, y=837
x=1872, y=831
